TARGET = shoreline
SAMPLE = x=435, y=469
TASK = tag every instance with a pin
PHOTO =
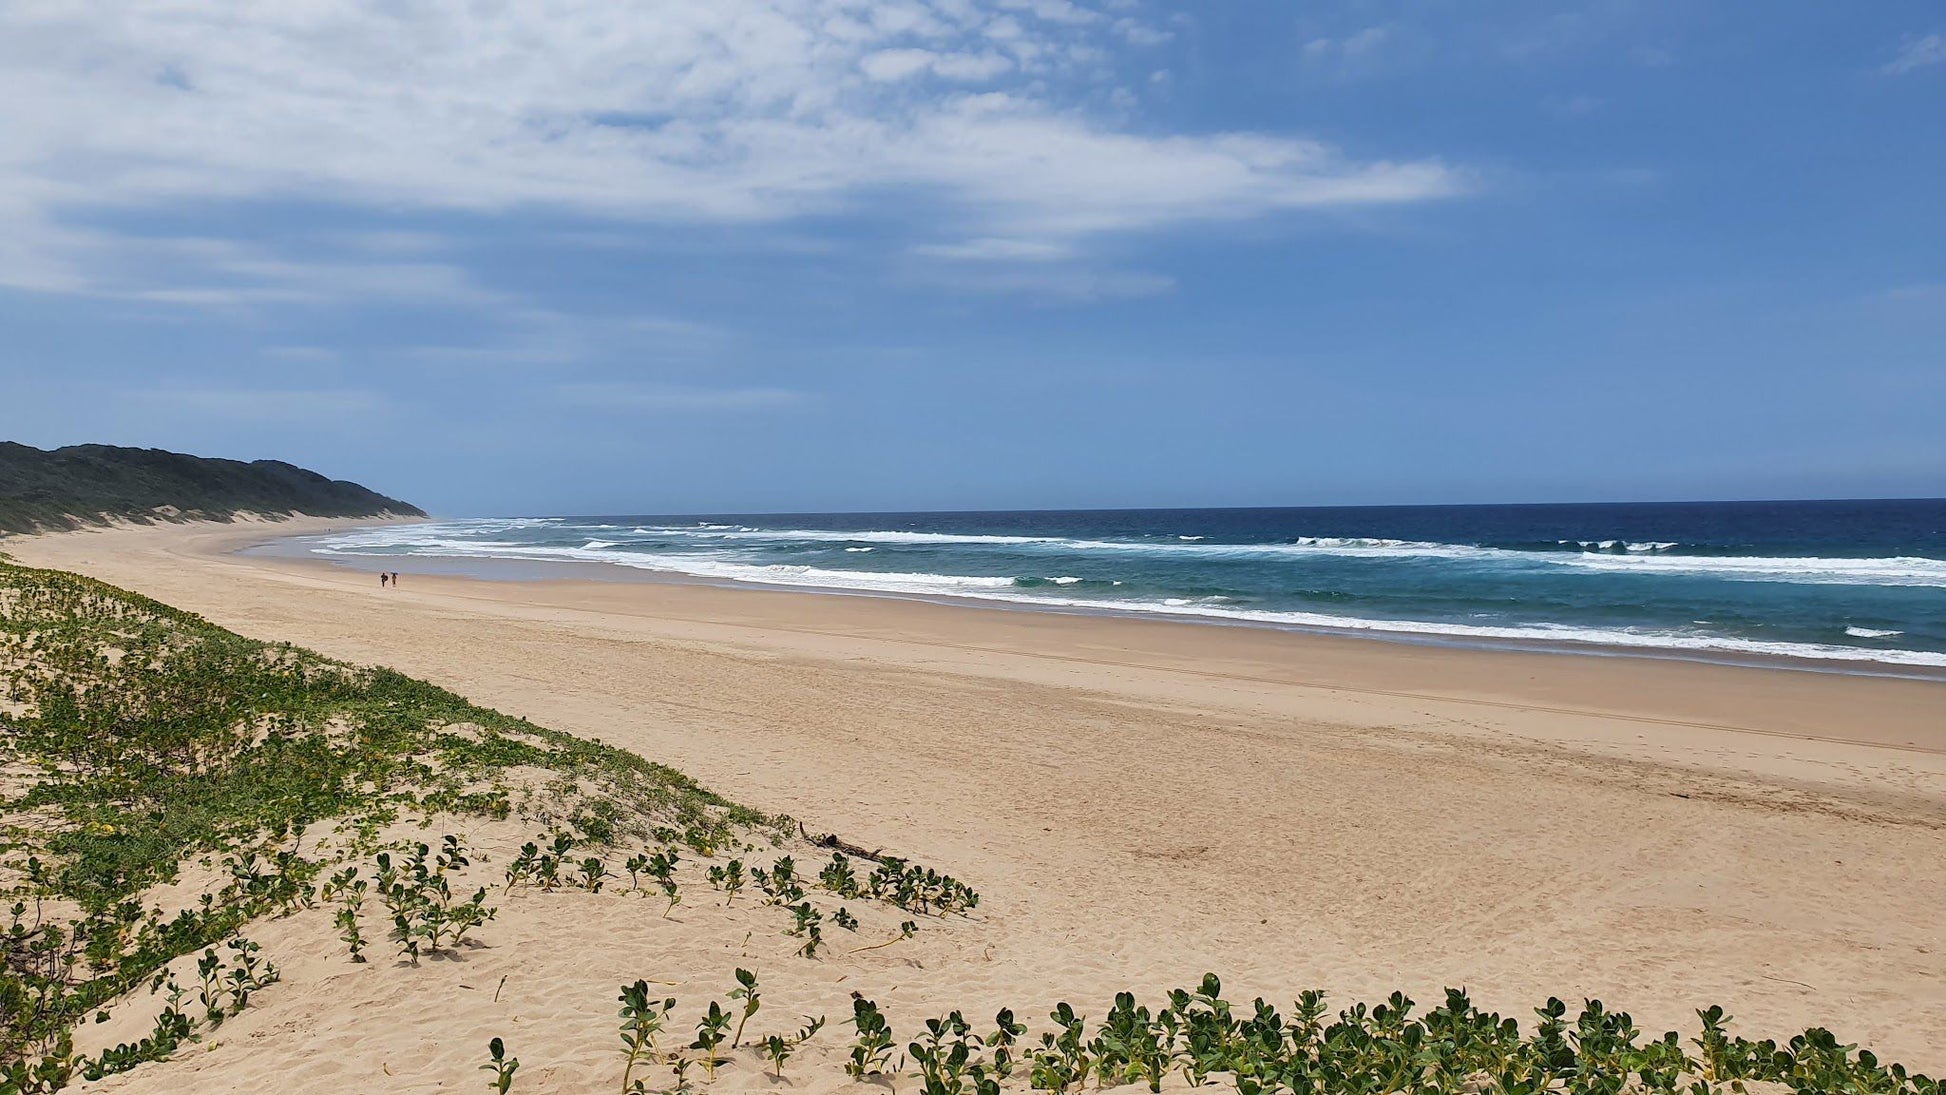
x=1909, y=710
x=494, y=569
x=1802, y=653
x=1141, y=802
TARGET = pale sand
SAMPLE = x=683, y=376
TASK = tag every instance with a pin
x=1137, y=802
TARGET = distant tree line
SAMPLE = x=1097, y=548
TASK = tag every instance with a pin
x=88, y=484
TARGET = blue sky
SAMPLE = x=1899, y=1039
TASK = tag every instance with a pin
x=723, y=255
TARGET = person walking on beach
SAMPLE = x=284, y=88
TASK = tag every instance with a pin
x=395, y=579
x=383, y=577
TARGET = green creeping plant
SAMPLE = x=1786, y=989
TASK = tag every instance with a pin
x=553, y=859
x=1062, y=1060
x=636, y=864
x=209, y=973
x=839, y=878
x=593, y=872
x=349, y=889
x=779, y=884
x=426, y=916
x=728, y=877
x=709, y=1034
x=919, y=889
x=949, y=1057
x=779, y=1048
x=524, y=866
x=1132, y=1046
x=642, y=1020
x=1006, y=1032
x=161, y=739
x=871, y=1050
x=807, y=922
x=844, y=919
x=225, y=986
x=745, y=991
x=662, y=868
x=502, y=1066
x=679, y=1068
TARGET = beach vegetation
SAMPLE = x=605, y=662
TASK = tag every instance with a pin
x=871, y=1048
x=710, y=1030
x=642, y=1019
x=593, y=873
x=745, y=991
x=419, y=898
x=807, y=922
x=779, y=1047
x=729, y=878
x=140, y=740
x=662, y=867
x=919, y=889
x=501, y=1066
x=780, y=883
x=838, y=877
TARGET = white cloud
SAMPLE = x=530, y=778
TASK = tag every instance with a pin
x=1355, y=47
x=890, y=65
x=1138, y=33
x=1054, y=11
x=1916, y=52
x=677, y=110
x=993, y=248
x=897, y=64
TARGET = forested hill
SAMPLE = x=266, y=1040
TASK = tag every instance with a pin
x=87, y=484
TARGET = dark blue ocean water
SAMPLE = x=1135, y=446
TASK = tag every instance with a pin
x=1850, y=582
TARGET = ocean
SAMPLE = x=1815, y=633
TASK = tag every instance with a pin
x=1857, y=585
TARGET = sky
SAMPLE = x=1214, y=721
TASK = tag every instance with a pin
x=808, y=255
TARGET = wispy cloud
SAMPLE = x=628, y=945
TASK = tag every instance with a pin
x=718, y=111
x=1352, y=48
x=997, y=249
x=1916, y=52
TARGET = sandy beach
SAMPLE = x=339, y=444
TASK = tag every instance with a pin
x=1139, y=802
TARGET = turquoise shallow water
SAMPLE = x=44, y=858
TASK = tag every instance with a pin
x=1856, y=583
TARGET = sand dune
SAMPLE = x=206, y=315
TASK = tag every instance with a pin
x=1138, y=802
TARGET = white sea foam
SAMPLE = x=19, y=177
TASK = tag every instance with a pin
x=721, y=562
x=1892, y=571
x=1620, y=545
x=1007, y=589
x=863, y=536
